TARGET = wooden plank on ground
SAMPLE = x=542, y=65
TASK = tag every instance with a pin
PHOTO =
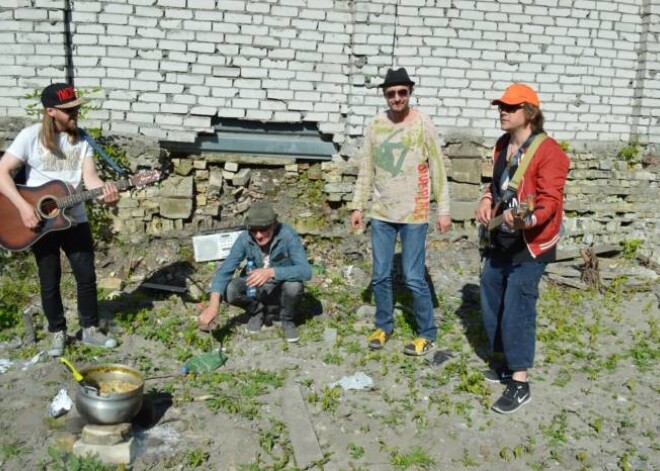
x=570, y=254
x=566, y=281
x=306, y=448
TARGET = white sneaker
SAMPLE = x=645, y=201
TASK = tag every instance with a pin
x=94, y=337
x=57, y=344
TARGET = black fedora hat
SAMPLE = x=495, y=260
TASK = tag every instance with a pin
x=396, y=77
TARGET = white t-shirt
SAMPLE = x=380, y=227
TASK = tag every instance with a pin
x=42, y=166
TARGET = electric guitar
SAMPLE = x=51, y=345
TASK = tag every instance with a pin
x=522, y=210
x=51, y=201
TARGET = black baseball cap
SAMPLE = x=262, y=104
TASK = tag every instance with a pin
x=60, y=95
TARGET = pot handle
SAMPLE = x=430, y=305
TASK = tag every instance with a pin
x=90, y=390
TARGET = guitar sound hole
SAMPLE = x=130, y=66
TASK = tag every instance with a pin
x=48, y=208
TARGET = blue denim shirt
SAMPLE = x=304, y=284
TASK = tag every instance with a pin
x=287, y=257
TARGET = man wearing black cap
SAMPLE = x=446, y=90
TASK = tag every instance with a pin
x=401, y=166
x=53, y=150
x=280, y=267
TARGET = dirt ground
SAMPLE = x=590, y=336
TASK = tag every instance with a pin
x=595, y=387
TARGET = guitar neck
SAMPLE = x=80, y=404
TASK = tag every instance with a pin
x=76, y=198
x=495, y=222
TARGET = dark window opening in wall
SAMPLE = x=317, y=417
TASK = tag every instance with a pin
x=256, y=140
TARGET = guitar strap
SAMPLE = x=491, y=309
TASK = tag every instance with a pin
x=524, y=163
x=99, y=150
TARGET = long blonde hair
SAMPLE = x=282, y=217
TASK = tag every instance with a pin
x=48, y=135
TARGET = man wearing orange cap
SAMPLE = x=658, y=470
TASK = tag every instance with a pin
x=528, y=167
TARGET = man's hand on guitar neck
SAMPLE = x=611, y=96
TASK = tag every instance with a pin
x=110, y=193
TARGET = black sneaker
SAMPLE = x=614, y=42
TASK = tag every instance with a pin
x=515, y=396
x=255, y=324
x=290, y=331
x=498, y=375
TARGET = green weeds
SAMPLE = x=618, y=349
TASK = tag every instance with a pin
x=196, y=458
x=12, y=449
x=236, y=392
x=416, y=458
x=630, y=154
x=65, y=461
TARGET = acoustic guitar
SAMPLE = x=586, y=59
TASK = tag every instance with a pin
x=51, y=201
x=522, y=210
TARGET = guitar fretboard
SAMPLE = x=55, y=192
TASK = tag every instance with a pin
x=76, y=198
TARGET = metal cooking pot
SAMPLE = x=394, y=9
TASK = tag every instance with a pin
x=118, y=398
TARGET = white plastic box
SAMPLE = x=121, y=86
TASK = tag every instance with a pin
x=213, y=246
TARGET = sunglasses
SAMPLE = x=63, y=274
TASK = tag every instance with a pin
x=70, y=111
x=509, y=108
x=402, y=93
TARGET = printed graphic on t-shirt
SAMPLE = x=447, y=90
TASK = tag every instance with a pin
x=390, y=155
x=70, y=160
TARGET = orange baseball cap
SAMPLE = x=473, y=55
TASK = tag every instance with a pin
x=517, y=94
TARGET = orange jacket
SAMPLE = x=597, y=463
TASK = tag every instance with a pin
x=544, y=179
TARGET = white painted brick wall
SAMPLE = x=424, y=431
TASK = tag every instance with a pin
x=167, y=66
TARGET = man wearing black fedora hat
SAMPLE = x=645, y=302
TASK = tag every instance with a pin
x=400, y=168
x=280, y=267
x=53, y=150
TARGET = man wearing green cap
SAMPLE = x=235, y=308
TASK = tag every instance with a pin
x=280, y=267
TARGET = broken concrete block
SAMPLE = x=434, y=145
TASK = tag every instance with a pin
x=291, y=168
x=177, y=186
x=183, y=167
x=215, y=178
x=242, y=178
x=121, y=453
x=106, y=434
x=462, y=210
x=110, y=283
x=464, y=191
x=231, y=167
x=175, y=208
x=466, y=170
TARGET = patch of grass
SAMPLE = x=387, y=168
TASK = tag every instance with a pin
x=12, y=449
x=356, y=451
x=330, y=399
x=65, y=461
x=644, y=353
x=467, y=461
x=556, y=430
x=16, y=292
x=196, y=458
x=236, y=392
x=630, y=247
x=416, y=458
x=275, y=443
x=630, y=154
x=333, y=358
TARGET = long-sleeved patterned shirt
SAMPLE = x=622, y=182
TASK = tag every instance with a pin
x=401, y=166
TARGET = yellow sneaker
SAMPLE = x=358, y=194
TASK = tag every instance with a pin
x=419, y=347
x=377, y=339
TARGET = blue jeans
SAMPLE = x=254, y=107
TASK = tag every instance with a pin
x=509, y=292
x=413, y=255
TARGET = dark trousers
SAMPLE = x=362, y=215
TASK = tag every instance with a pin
x=78, y=246
x=509, y=292
x=272, y=299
